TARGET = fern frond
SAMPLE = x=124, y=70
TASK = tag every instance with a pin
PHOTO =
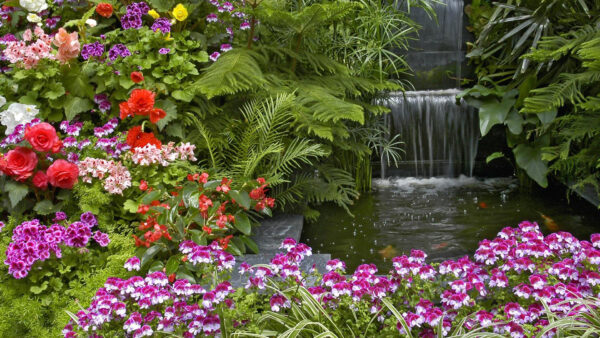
x=235, y=71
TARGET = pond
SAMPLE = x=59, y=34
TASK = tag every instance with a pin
x=445, y=217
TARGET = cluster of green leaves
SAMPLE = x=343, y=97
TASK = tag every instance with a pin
x=538, y=76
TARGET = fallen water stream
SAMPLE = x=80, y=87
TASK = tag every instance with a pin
x=446, y=217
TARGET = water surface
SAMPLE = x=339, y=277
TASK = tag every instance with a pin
x=446, y=217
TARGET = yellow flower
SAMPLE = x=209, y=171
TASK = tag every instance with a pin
x=154, y=14
x=180, y=12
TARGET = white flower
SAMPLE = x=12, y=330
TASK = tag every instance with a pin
x=91, y=22
x=2, y=100
x=32, y=17
x=35, y=6
x=17, y=113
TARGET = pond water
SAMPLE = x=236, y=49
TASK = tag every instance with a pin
x=445, y=217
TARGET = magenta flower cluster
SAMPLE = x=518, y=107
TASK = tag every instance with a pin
x=102, y=99
x=32, y=241
x=142, y=307
x=521, y=264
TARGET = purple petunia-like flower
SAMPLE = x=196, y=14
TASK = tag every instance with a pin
x=92, y=49
x=162, y=24
x=118, y=50
x=133, y=16
x=101, y=238
x=164, y=51
x=52, y=22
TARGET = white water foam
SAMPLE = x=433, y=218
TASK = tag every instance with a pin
x=440, y=184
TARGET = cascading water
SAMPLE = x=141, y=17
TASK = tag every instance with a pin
x=440, y=136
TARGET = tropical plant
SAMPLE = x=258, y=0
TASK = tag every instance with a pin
x=538, y=75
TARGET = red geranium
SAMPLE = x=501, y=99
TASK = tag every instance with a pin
x=19, y=163
x=141, y=101
x=125, y=110
x=40, y=180
x=63, y=174
x=137, y=77
x=137, y=138
x=104, y=9
x=157, y=114
x=43, y=138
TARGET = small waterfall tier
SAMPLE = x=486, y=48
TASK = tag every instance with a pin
x=440, y=135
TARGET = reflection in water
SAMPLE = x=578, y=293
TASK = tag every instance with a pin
x=446, y=217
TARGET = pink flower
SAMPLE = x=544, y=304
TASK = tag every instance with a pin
x=132, y=263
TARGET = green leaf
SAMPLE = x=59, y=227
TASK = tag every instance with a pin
x=241, y=197
x=190, y=195
x=150, y=253
x=172, y=264
x=45, y=207
x=515, y=122
x=151, y=196
x=239, y=244
x=212, y=184
x=530, y=159
x=16, y=192
x=130, y=206
x=493, y=112
x=183, y=95
x=198, y=237
x=494, y=156
x=548, y=116
x=75, y=105
x=175, y=130
x=184, y=273
x=233, y=249
x=126, y=82
x=156, y=266
x=242, y=223
x=250, y=243
x=54, y=91
x=39, y=289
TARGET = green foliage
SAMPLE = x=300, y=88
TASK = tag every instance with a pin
x=548, y=52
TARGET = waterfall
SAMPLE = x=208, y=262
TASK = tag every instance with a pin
x=437, y=56
x=440, y=136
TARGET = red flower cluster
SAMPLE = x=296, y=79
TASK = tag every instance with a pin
x=259, y=195
x=224, y=186
x=137, y=77
x=141, y=102
x=20, y=163
x=158, y=231
x=137, y=138
x=202, y=178
x=104, y=9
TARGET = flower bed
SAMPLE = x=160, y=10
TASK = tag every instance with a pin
x=513, y=286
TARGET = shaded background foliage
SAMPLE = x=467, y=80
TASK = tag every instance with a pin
x=537, y=75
